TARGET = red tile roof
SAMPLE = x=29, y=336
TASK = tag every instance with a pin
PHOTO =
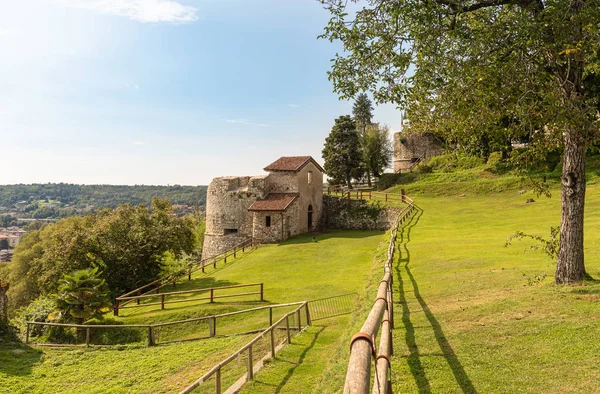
x=274, y=202
x=291, y=163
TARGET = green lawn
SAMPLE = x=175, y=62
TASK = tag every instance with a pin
x=473, y=316
x=298, y=269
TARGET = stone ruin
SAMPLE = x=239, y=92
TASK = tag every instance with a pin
x=267, y=208
x=411, y=148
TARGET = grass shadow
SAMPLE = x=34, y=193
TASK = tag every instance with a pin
x=300, y=360
x=18, y=359
x=414, y=361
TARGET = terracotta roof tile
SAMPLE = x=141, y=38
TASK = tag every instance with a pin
x=291, y=163
x=274, y=202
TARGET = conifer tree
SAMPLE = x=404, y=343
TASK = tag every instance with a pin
x=342, y=153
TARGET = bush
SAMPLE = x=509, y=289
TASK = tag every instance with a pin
x=424, y=168
x=38, y=311
x=388, y=180
x=494, y=159
x=114, y=336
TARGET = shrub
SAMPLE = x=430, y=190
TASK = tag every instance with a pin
x=388, y=180
x=424, y=168
x=38, y=311
x=494, y=159
x=114, y=336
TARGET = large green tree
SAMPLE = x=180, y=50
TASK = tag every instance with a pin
x=471, y=62
x=128, y=244
x=376, y=149
x=342, y=152
x=362, y=111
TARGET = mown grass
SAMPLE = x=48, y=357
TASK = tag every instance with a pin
x=475, y=316
x=298, y=269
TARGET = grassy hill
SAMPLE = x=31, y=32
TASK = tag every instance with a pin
x=472, y=315
x=298, y=269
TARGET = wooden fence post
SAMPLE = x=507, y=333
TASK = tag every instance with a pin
x=272, y=344
x=190, y=274
x=212, y=295
x=202, y=267
x=138, y=293
x=116, y=309
x=386, y=196
x=218, y=381
x=262, y=298
x=87, y=337
x=250, y=371
x=308, y=321
x=162, y=301
x=27, y=335
x=150, y=336
x=213, y=326
x=287, y=329
x=361, y=195
x=270, y=316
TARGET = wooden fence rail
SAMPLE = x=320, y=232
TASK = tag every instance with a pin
x=151, y=328
x=362, y=194
x=188, y=270
x=248, y=347
x=362, y=347
x=120, y=301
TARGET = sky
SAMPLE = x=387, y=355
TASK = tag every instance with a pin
x=162, y=92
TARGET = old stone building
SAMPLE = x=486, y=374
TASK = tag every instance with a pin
x=267, y=208
x=411, y=148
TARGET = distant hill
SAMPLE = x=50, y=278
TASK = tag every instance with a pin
x=99, y=196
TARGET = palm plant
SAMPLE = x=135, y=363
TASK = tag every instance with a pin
x=83, y=295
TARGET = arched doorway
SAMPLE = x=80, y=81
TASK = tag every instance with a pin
x=310, y=217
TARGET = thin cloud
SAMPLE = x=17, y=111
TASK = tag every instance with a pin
x=246, y=122
x=147, y=11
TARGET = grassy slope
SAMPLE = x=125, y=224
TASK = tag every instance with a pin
x=472, y=316
x=296, y=270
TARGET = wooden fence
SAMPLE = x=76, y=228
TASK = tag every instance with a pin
x=363, y=349
x=188, y=270
x=119, y=301
x=151, y=329
x=367, y=194
x=252, y=367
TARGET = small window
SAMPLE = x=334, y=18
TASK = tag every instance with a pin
x=231, y=231
x=310, y=177
x=267, y=221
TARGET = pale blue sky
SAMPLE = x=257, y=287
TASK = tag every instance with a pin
x=161, y=91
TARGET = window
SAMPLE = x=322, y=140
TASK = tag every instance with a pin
x=310, y=177
x=230, y=231
x=267, y=221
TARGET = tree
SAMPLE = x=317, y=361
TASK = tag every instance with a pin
x=341, y=152
x=476, y=61
x=362, y=111
x=376, y=149
x=83, y=295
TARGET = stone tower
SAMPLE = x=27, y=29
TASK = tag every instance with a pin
x=266, y=208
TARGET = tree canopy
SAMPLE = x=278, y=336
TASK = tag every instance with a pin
x=127, y=244
x=342, y=153
x=499, y=68
x=362, y=111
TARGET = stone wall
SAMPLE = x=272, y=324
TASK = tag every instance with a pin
x=356, y=215
x=411, y=146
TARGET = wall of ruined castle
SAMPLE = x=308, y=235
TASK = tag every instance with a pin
x=227, y=203
x=356, y=215
x=409, y=146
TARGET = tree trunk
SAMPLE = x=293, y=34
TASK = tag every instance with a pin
x=369, y=178
x=570, y=265
x=349, y=181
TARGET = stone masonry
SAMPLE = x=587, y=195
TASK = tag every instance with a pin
x=411, y=147
x=267, y=208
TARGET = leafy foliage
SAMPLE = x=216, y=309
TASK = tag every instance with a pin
x=341, y=152
x=127, y=244
x=83, y=295
x=548, y=246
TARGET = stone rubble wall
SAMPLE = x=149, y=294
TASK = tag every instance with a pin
x=356, y=215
